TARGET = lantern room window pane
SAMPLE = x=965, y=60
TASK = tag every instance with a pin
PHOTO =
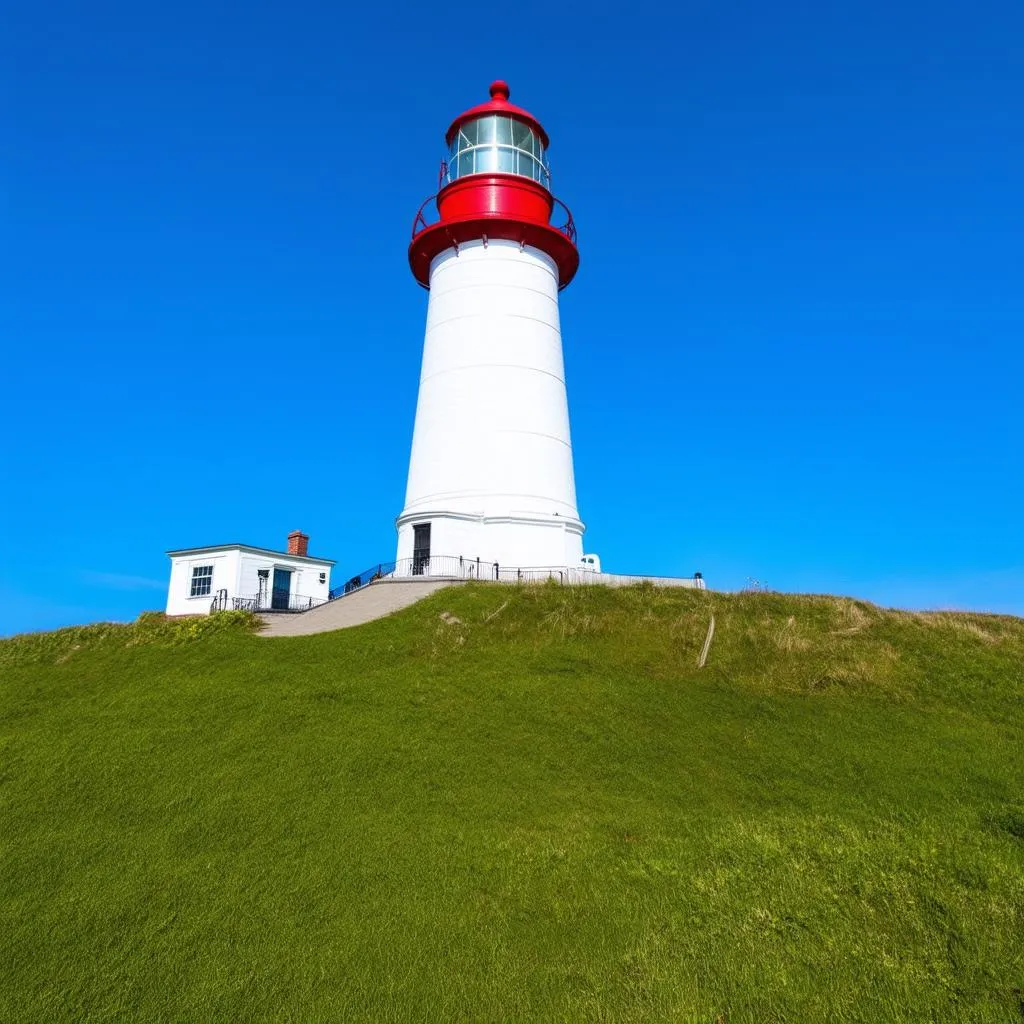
x=486, y=160
x=485, y=146
x=503, y=128
x=522, y=137
x=485, y=129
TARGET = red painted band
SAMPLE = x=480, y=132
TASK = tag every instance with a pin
x=444, y=235
x=495, y=195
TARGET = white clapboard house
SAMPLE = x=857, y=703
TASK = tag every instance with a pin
x=239, y=576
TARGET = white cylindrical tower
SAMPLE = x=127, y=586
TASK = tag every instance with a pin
x=491, y=471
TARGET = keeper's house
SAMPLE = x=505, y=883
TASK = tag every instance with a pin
x=233, y=576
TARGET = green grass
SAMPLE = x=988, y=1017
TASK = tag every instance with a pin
x=540, y=812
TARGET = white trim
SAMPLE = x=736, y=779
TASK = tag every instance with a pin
x=250, y=549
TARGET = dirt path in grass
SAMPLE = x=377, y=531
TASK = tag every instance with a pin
x=372, y=602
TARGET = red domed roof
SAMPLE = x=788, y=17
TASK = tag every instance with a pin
x=498, y=104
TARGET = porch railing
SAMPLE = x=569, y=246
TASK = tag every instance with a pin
x=276, y=603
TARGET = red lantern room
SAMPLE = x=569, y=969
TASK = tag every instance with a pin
x=495, y=184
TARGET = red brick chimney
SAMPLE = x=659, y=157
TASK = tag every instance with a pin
x=298, y=543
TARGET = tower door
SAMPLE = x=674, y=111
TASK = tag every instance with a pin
x=282, y=589
x=420, y=548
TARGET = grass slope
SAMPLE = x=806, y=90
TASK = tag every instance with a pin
x=518, y=805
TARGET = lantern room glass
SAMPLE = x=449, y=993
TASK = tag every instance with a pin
x=498, y=143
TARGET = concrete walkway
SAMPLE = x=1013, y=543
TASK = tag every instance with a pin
x=372, y=602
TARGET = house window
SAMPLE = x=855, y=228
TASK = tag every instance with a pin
x=202, y=580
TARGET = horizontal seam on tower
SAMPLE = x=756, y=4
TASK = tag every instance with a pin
x=533, y=433
x=492, y=316
x=503, y=366
x=442, y=270
x=486, y=494
x=490, y=284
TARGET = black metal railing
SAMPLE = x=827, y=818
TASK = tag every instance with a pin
x=449, y=566
x=276, y=603
x=462, y=568
x=441, y=567
x=376, y=572
x=457, y=567
x=569, y=227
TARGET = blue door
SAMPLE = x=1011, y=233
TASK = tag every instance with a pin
x=282, y=588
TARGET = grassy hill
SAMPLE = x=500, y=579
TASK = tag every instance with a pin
x=518, y=805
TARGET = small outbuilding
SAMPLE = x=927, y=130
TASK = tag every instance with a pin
x=239, y=576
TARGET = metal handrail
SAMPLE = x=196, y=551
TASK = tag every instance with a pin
x=450, y=567
x=459, y=567
x=463, y=567
x=568, y=229
x=361, y=579
x=445, y=567
x=264, y=603
x=420, y=219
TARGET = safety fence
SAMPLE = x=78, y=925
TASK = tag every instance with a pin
x=459, y=567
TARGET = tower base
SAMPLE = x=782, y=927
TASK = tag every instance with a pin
x=523, y=541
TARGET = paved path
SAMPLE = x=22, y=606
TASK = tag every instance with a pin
x=372, y=602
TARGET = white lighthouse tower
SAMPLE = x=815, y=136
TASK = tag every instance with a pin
x=491, y=471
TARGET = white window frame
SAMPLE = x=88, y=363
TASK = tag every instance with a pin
x=199, y=576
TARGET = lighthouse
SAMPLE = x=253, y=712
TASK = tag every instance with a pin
x=491, y=468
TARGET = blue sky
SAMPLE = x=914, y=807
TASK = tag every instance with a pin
x=794, y=347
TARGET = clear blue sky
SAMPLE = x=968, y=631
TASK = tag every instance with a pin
x=793, y=348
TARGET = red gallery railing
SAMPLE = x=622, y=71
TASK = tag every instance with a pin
x=421, y=224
